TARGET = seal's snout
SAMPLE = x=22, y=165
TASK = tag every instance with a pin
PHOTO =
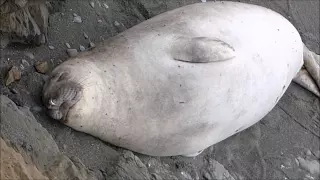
x=60, y=94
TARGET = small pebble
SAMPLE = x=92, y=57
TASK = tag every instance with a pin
x=309, y=153
x=14, y=91
x=42, y=67
x=25, y=62
x=77, y=19
x=203, y=1
x=72, y=52
x=99, y=21
x=85, y=35
x=116, y=23
x=287, y=163
x=99, y=3
x=92, y=4
x=36, y=109
x=51, y=47
x=29, y=55
x=186, y=175
x=92, y=45
x=68, y=45
x=105, y=6
x=82, y=48
x=75, y=15
x=14, y=74
x=207, y=176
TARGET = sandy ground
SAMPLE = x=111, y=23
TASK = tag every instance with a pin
x=274, y=148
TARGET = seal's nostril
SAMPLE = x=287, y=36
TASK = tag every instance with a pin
x=52, y=102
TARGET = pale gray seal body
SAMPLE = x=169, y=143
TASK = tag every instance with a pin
x=181, y=81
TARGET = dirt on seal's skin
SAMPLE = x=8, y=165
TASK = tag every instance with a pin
x=284, y=145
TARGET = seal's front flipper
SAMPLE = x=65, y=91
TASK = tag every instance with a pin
x=312, y=64
x=304, y=79
x=201, y=50
x=309, y=78
x=193, y=154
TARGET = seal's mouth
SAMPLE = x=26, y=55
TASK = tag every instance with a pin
x=61, y=98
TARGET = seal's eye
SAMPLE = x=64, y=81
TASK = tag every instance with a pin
x=63, y=76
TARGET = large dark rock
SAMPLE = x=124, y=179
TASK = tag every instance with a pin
x=21, y=130
x=23, y=21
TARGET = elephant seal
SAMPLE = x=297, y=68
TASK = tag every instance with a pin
x=181, y=81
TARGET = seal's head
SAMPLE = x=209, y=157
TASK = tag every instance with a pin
x=60, y=93
x=74, y=92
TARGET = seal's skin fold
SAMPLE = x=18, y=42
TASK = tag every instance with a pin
x=137, y=94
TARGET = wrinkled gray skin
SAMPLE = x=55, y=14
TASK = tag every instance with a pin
x=62, y=96
x=181, y=81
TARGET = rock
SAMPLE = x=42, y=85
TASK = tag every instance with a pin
x=92, y=4
x=14, y=91
x=77, y=19
x=116, y=23
x=32, y=141
x=68, y=45
x=308, y=153
x=14, y=166
x=19, y=126
x=128, y=167
x=105, y=6
x=25, y=62
x=51, y=47
x=29, y=55
x=21, y=3
x=215, y=170
x=24, y=21
x=85, y=35
x=42, y=67
x=21, y=67
x=99, y=21
x=13, y=74
x=159, y=169
x=92, y=45
x=186, y=175
x=82, y=48
x=207, y=176
x=72, y=52
x=312, y=166
x=287, y=163
x=64, y=168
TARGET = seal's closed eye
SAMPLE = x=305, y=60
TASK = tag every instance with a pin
x=201, y=50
